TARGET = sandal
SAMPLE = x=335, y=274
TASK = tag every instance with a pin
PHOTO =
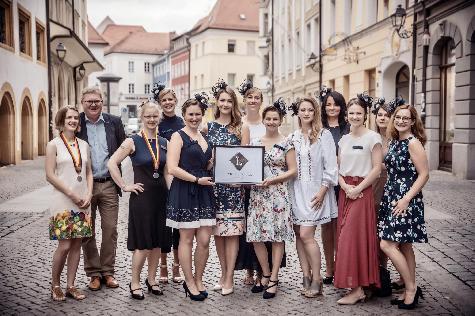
x=248, y=279
x=267, y=295
x=314, y=293
x=163, y=279
x=73, y=292
x=57, y=294
x=177, y=278
x=259, y=288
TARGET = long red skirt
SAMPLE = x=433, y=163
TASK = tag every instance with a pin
x=356, y=260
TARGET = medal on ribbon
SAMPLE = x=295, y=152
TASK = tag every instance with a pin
x=155, y=155
x=77, y=159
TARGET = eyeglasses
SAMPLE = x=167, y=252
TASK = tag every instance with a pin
x=148, y=117
x=90, y=102
x=404, y=119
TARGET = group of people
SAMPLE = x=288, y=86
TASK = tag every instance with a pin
x=329, y=172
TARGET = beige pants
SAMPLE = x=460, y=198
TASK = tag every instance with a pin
x=104, y=198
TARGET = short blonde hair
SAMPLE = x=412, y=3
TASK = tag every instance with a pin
x=91, y=90
x=147, y=105
x=61, y=117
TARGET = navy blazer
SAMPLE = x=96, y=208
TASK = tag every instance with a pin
x=115, y=133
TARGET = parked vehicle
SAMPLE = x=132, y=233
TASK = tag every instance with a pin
x=132, y=127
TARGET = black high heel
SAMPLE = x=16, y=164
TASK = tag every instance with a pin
x=136, y=296
x=396, y=301
x=267, y=295
x=414, y=302
x=328, y=280
x=197, y=297
x=259, y=288
x=396, y=286
x=204, y=293
x=150, y=288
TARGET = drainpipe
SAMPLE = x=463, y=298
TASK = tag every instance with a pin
x=425, y=54
x=272, y=52
x=50, y=81
x=320, y=55
x=414, y=55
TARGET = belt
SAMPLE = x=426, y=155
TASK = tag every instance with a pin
x=102, y=180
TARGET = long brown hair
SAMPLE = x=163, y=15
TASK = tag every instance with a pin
x=316, y=122
x=417, y=129
x=236, y=122
x=60, y=118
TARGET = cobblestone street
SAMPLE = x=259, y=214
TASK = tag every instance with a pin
x=445, y=271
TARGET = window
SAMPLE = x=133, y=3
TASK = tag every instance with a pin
x=6, y=23
x=131, y=88
x=132, y=110
x=202, y=80
x=231, y=79
x=231, y=46
x=251, y=48
x=40, y=43
x=203, y=48
x=195, y=82
x=147, y=67
x=196, y=51
x=402, y=82
x=308, y=39
x=298, y=61
x=24, y=32
x=131, y=66
x=147, y=88
x=346, y=87
x=250, y=77
x=266, y=24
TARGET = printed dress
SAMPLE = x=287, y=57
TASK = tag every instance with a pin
x=316, y=167
x=402, y=174
x=67, y=220
x=228, y=201
x=270, y=211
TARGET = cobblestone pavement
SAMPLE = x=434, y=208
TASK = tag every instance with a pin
x=446, y=266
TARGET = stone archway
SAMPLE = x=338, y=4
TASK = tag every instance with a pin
x=42, y=128
x=26, y=130
x=7, y=136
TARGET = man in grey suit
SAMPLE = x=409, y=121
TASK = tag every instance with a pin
x=104, y=133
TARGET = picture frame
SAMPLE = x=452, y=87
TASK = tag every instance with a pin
x=238, y=164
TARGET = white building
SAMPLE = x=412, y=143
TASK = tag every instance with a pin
x=130, y=54
x=23, y=81
x=224, y=45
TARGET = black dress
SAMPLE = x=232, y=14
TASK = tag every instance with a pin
x=337, y=133
x=169, y=125
x=147, y=210
x=190, y=205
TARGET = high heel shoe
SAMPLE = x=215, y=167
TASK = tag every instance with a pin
x=414, y=302
x=396, y=286
x=151, y=289
x=328, y=280
x=267, y=295
x=134, y=295
x=193, y=297
x=314, y=293
x=259, y=288
x=396, y=301
x=204, y=293
x=225, y=292
x=351, y=301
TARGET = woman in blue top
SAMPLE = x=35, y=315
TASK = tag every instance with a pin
x=169, y=124
x=147, y=232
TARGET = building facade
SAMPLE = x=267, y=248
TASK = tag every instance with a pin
x=161, y=70
x=23, y=80
x=224, y=45
x=180, y=68
x=445, y=72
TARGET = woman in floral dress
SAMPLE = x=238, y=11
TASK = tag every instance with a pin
x=68, y=169
x=269, y=216
x=401, y=215
x=228, y=200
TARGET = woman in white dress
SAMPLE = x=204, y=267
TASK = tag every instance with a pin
x=313, y=198
x=68, y=169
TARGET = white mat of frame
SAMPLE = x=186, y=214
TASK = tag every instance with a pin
x=36, y=201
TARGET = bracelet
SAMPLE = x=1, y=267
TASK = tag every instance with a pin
x=196, y=180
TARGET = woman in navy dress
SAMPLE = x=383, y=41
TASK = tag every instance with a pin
x=169, y=124
x=333, y=118
x=190, y=201
x=401, y=215
x=147, y=232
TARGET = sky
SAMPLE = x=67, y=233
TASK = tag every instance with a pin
x=153, y=15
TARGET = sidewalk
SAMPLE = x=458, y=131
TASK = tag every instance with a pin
x=446, y=265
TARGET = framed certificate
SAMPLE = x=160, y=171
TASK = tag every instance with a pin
x=238, y=164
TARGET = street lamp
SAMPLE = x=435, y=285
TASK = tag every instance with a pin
x=398, y=19
x=80, y=73
x=61, y=52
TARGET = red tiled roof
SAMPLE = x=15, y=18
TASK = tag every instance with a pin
x=93, y=37
x=142, y=43
x=231, y=15
x=114, y=32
